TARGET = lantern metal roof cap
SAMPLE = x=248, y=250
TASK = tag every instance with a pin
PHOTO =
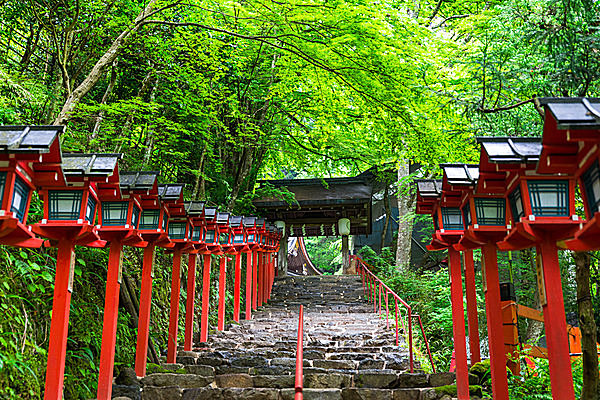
x=195, y=208
x=138, y=180
x=260, y=223
x=28, y=138
x=236, y=221
x=223, y=218
x=511, y=149
x=249, y=222
x=171, y=191
x=90, y=165
x=210, y=213
x=429, y=187
x=574, y=112
x=461, y=174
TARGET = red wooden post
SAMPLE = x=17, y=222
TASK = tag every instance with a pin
x=109, y=325
x=249, y=270
x=237, y=287
x=189, y=306
x=494, y=321
x=174, y=312
x=254, y=280
x=205, y=298
x=458, y=325
x=59, y=325
x=141, y=350
x=222, y=278
x=380, y=289
x=261, y=280
x=387, y=311
x=471, y=306
x=561, y=377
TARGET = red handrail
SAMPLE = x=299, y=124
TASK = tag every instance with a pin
x=371, y=285
x=299, y=356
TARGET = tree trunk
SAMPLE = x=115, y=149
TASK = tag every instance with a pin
x=535, y=329
x=587, y=324
x=197, y=185
x=98, y=69
x=107, y=93
x=150, y=137
x=242, y=174
x=388, y=215
x=406, y=200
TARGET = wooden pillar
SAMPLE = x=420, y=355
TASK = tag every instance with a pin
x=174, y=310
x=205, y=299
x=237, y=287
x=255, y=280
x=471, y=306
x=249, y=270
x=493, y=311
x=509, y=325
x=345, y=254
x=282, y=264
x=458, y=325
x=549, y=282
x=189, y=306
x=222, y=279
x=109, y=324
x=59, y=326
x=143, y=332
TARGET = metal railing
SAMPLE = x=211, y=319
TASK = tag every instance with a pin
x=374, y=290
x=299, y=383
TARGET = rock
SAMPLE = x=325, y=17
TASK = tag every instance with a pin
x=473, y=379
x=121, y=398
x=204, y=370
x=408, y=380
x=234, y=380
x=161, y=393
x=274, y=381
x=366, y=394
x=374, y=379
x=180, y=380
x=127, y=377
x=323, y=381
x=333, y=364
x=442, y=379
x=132, y=392
x=249, y=361
x=371, y=364
x=313, y=394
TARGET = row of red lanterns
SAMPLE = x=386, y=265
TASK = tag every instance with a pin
x=89, y=202
x=520, y=195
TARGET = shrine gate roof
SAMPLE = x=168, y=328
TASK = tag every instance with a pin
x=320, y=203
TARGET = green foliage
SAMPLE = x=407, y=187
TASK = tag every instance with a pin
x=325, y=253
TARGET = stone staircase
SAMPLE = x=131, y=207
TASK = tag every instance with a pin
x=348, y=352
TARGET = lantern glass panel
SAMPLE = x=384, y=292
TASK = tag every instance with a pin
x=114, y=212
x=452, y=218
x=149, y=219
x=64, y=204
x=239, y=238
x=516, y=205
x=466, y=211
x=2, y=184
x=490, y=211
x=224, y=238
x=90, y=211
x=135, y=216
x=549, y=198
x=210, y=237
x=196, y=234
x=20, y=197
x=251, y=238
x=177, y=230
x=591, y=183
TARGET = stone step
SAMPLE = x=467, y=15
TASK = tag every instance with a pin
x=210, y=393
